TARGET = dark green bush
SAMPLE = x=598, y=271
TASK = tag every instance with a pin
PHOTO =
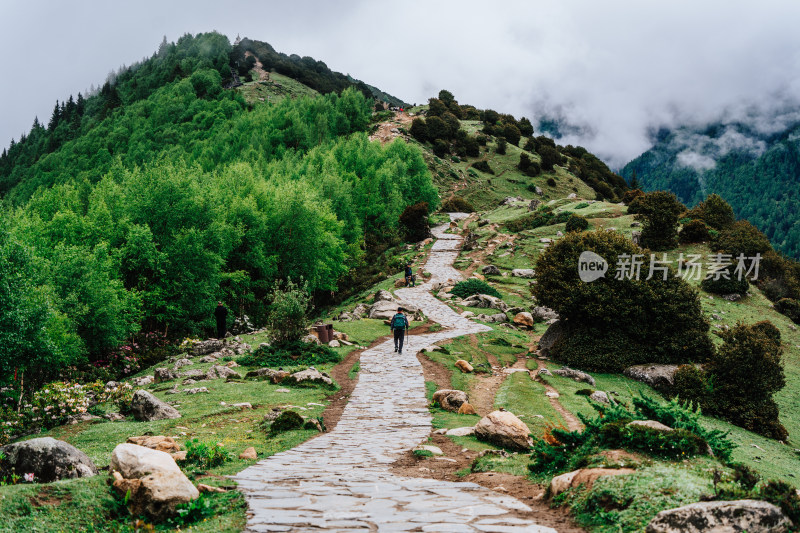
x=419, y=130
x=483, y=166
x=725, y=281
x=471, y=147
x=631, y=195
x=690, y=386
x=441, y=148
x=469, y=287
x=784, y=496
x=550, y=157
x=714, y=211
x=577, y=223
x=414, y=221
x=286, y=421
x=660, y=210
x=538, y=219
x=694, y=231
x=790, y=308
x=482, y=139
x=511, y=133
x=551, y=182
x=437, y=129
x=457, y=204
x=501, y=146
x=742, y=238
x=296, y=353
x=530, y=145
x=614, y=323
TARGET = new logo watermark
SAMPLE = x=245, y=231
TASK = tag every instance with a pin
x=591, y=267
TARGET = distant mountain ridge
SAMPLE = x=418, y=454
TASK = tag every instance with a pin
x=757, y=173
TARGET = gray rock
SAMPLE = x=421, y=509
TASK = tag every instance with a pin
x=207, y=347
x=523, y=273
x=143, y=381
x=636, y=224
x=484, y=301
x=498, y=318
x=360, y=310
x=491, y=270
x=196, y=373
x=541, y=313
x=572, y=196
x=163, y=374
x=735, y=297
x=181, y=363
x=550, y=337
x=146, y=407
x=636, y=237
x=311, y=339
x=221, y=372
x=503, y=429
x=577, y=375
x=450, y=399
x=599, y=396
x=310, y=375
x=47, y=459
x=461, y=432
x=652, y=424
x=208, y=359
x=384, y=296
x=753, y=516
x=384, y=310
x=660, y=377
x=196, y=390
x=275, y=376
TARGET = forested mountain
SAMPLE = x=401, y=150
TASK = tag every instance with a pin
x=137, y=208
x=757, y=173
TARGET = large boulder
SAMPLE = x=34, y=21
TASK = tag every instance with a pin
x=585, y=476
x=221, y=372
x=384, y=296
x=577, y=375
x=146, y=407
x=450, y=399
x=151, y=481
x=660, y=377
x=503, y=429
x=163, y=374
x=484, y=301
x=47, y=459
x=491, y=270
x=550, y=337
x=524, y=319
x=753, y=516
x=275, y=376
x=384, y=310
x=523, y=273
x=308, y=376
x=206, y=347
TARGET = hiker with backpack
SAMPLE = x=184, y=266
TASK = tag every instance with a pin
x=399, y=325
x=409, y=275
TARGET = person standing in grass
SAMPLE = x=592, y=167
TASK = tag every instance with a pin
x=221, y=314
x=399, y=325
x=409, y=275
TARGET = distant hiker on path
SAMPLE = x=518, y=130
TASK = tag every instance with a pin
x=399, y=325
x=409, y=275
x=221, y=314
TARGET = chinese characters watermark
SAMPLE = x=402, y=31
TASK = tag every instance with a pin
x=592, y=266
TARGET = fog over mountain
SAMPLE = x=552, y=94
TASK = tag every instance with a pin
x=606, y=75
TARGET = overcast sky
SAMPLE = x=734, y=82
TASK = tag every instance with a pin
x=614, y=69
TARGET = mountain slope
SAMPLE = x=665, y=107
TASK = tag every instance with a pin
x=757, y=173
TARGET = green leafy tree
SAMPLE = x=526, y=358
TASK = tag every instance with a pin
x=290, y=304
x=550, y=157
x=660, y=211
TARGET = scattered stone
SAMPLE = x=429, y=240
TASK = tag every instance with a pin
x=498, y=318
x=652, y=424
x=385, y=310
x=113, y=417
x=544, y=372
x=282, y=390
x=735, y=297
x=586, y=477
x=577, y=375
x=181, y=363
x=274, y=376
x=551, y=394
x=243, y=405
x=466, y=409
x=207, y=347
x=163, y=374
x=599, y=396
x=460, y=432
x=484, y=301
x=572, y=196
x=249, y=454
x=491, y=270
x=196, y=373
x=636, y=224
x=196, y=390
x=334, y=344
x=311, y=339
x=310, y=375
x=545, y=240
x=550, y=337
x=544, y=314
x=753, y=516
x=467, y=314
x=231, y=364
x=523, y=273
x=179, y=456
x=636, y=237
x=660, y=377
x=143, y=381
x=47, y=459
x=524, y=319
x=505, y=430
x=202, y=488
x=146, y=407
x=433, y=348
x=158, y=442
x=383, y=295
x=464, y=366
x=83, y=417
x=450, y=399
x=360, y=310
x=435, y=450
x=208, y=359
x=221, y=372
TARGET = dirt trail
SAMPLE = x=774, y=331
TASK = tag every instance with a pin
x=263, y=75
x=390, y=130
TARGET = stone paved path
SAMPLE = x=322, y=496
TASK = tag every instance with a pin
x=341, y=481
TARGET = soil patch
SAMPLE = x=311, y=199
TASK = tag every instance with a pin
x=436, y=372
x=47, y=496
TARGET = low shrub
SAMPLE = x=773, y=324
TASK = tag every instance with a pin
x=714, y=211
x=694, y=231
x=543, y=217
x=582, y=205
x=551, y=182
x=457, y=204
x=295, y=353
x=725, y=281
x=414, y=221
x=288, y=312
x=501, y=146
x=577, y=223
x=205, y=454
x=483, y=166
x=469, y=287
x=630, y=195
x=790, y=308
x=286, y=421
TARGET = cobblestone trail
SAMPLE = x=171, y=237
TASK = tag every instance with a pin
x=341, y=481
